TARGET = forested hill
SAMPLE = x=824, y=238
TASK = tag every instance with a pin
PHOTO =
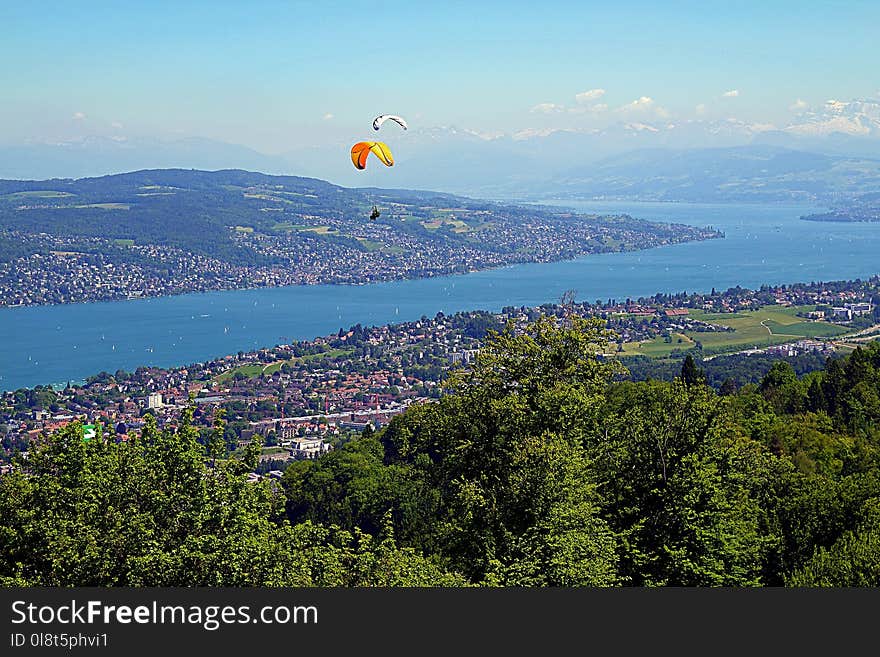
x=536, y=468
x=190, y=209
x=172, y=231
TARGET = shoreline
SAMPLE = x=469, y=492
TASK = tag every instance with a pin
x=719, y=234
x=81, y=381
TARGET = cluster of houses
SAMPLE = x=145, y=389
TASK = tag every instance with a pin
x=843, y=313
x=800, y=347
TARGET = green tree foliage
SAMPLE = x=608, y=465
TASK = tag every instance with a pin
x=782, y=388
x=852, y=560
x=161, y=511
x=538, y=466
x=494, y=477
x=681, y=487
x=691, y=375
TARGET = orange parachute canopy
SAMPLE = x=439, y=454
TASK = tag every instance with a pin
x=362, y=149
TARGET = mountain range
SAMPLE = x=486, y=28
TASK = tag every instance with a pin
x=821, y=156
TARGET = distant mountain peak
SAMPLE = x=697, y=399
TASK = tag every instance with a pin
x=860, y=117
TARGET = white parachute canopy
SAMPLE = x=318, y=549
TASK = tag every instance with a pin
x=379, y=120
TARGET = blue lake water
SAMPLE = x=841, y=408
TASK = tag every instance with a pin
x=763, y=244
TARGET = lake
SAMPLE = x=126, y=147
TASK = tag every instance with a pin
x=763, y=244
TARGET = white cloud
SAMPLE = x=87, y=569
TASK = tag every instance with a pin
x=761, y=127
x=589, y=95
x=547, y=108
x=641, y=103
x=328, y=116
x=701, y=108
x=601, y=107
x=117, y=125
x=798, y=105
x=733, y=93
x=79, y=116
x=644, y=105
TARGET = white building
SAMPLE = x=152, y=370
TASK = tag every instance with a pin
x=860, y=308
x=466, y=356
x=309, y=448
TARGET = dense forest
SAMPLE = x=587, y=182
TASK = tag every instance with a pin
x=725, y=373
x=537, y=467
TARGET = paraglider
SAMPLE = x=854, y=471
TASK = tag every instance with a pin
x=361, y=150
x=379, y=120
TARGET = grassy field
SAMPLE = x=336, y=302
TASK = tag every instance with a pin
x=657, y=347
x=371, y=246
x=760, y=328
x=286, y=193
x=249, y=371
x=106, y=206
x=39, y=193
x=268, y=197
x=123, y=242
x=806, y=329
x=769, y=325
x=244, y=229
x=458, y=226
x=288, y=227
x=255, y=369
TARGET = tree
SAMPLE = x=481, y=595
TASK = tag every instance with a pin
x=782, y=388
x=691, y=375
x=158, y=510
x=682, y=488
x=816, y=396
x=504, y=452
x=853, y=560
x=728, y=387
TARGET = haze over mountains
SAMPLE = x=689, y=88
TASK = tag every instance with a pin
x=822, y=156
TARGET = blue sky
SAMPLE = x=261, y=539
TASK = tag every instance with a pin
x=276, y=76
